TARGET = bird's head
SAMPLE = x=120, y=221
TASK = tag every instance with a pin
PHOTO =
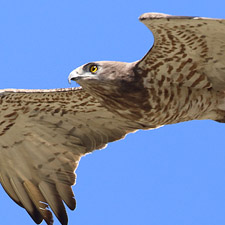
x=109, y=80
x=103, y=73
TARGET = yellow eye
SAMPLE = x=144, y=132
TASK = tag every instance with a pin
x=93, y=69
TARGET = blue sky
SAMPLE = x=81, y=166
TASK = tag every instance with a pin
x=172, y=175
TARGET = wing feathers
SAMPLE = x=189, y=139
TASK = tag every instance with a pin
x=66, y=193
x=43, y=143
x=39, y=201
x=188, y=51
x=50, y=193
x=25, y=199
x=4, y=179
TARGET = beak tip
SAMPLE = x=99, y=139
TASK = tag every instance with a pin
x=70, y=77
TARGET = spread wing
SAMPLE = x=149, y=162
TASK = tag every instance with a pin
x=188, y=51
x=43, y=134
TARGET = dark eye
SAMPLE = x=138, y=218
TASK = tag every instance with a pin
x=93, y=69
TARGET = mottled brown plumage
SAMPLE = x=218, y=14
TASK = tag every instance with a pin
x=43, y=133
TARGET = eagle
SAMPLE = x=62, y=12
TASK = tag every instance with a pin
x=44, y=133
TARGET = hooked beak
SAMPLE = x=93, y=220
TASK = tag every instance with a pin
x=74, y=75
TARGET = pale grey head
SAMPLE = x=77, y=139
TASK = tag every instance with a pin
x=103, y=72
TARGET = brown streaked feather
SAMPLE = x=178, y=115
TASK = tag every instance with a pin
x=188, y=51
x=51, y=130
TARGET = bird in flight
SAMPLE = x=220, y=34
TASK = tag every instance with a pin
x=44, y=133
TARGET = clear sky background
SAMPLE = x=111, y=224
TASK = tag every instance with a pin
x=172, y=175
